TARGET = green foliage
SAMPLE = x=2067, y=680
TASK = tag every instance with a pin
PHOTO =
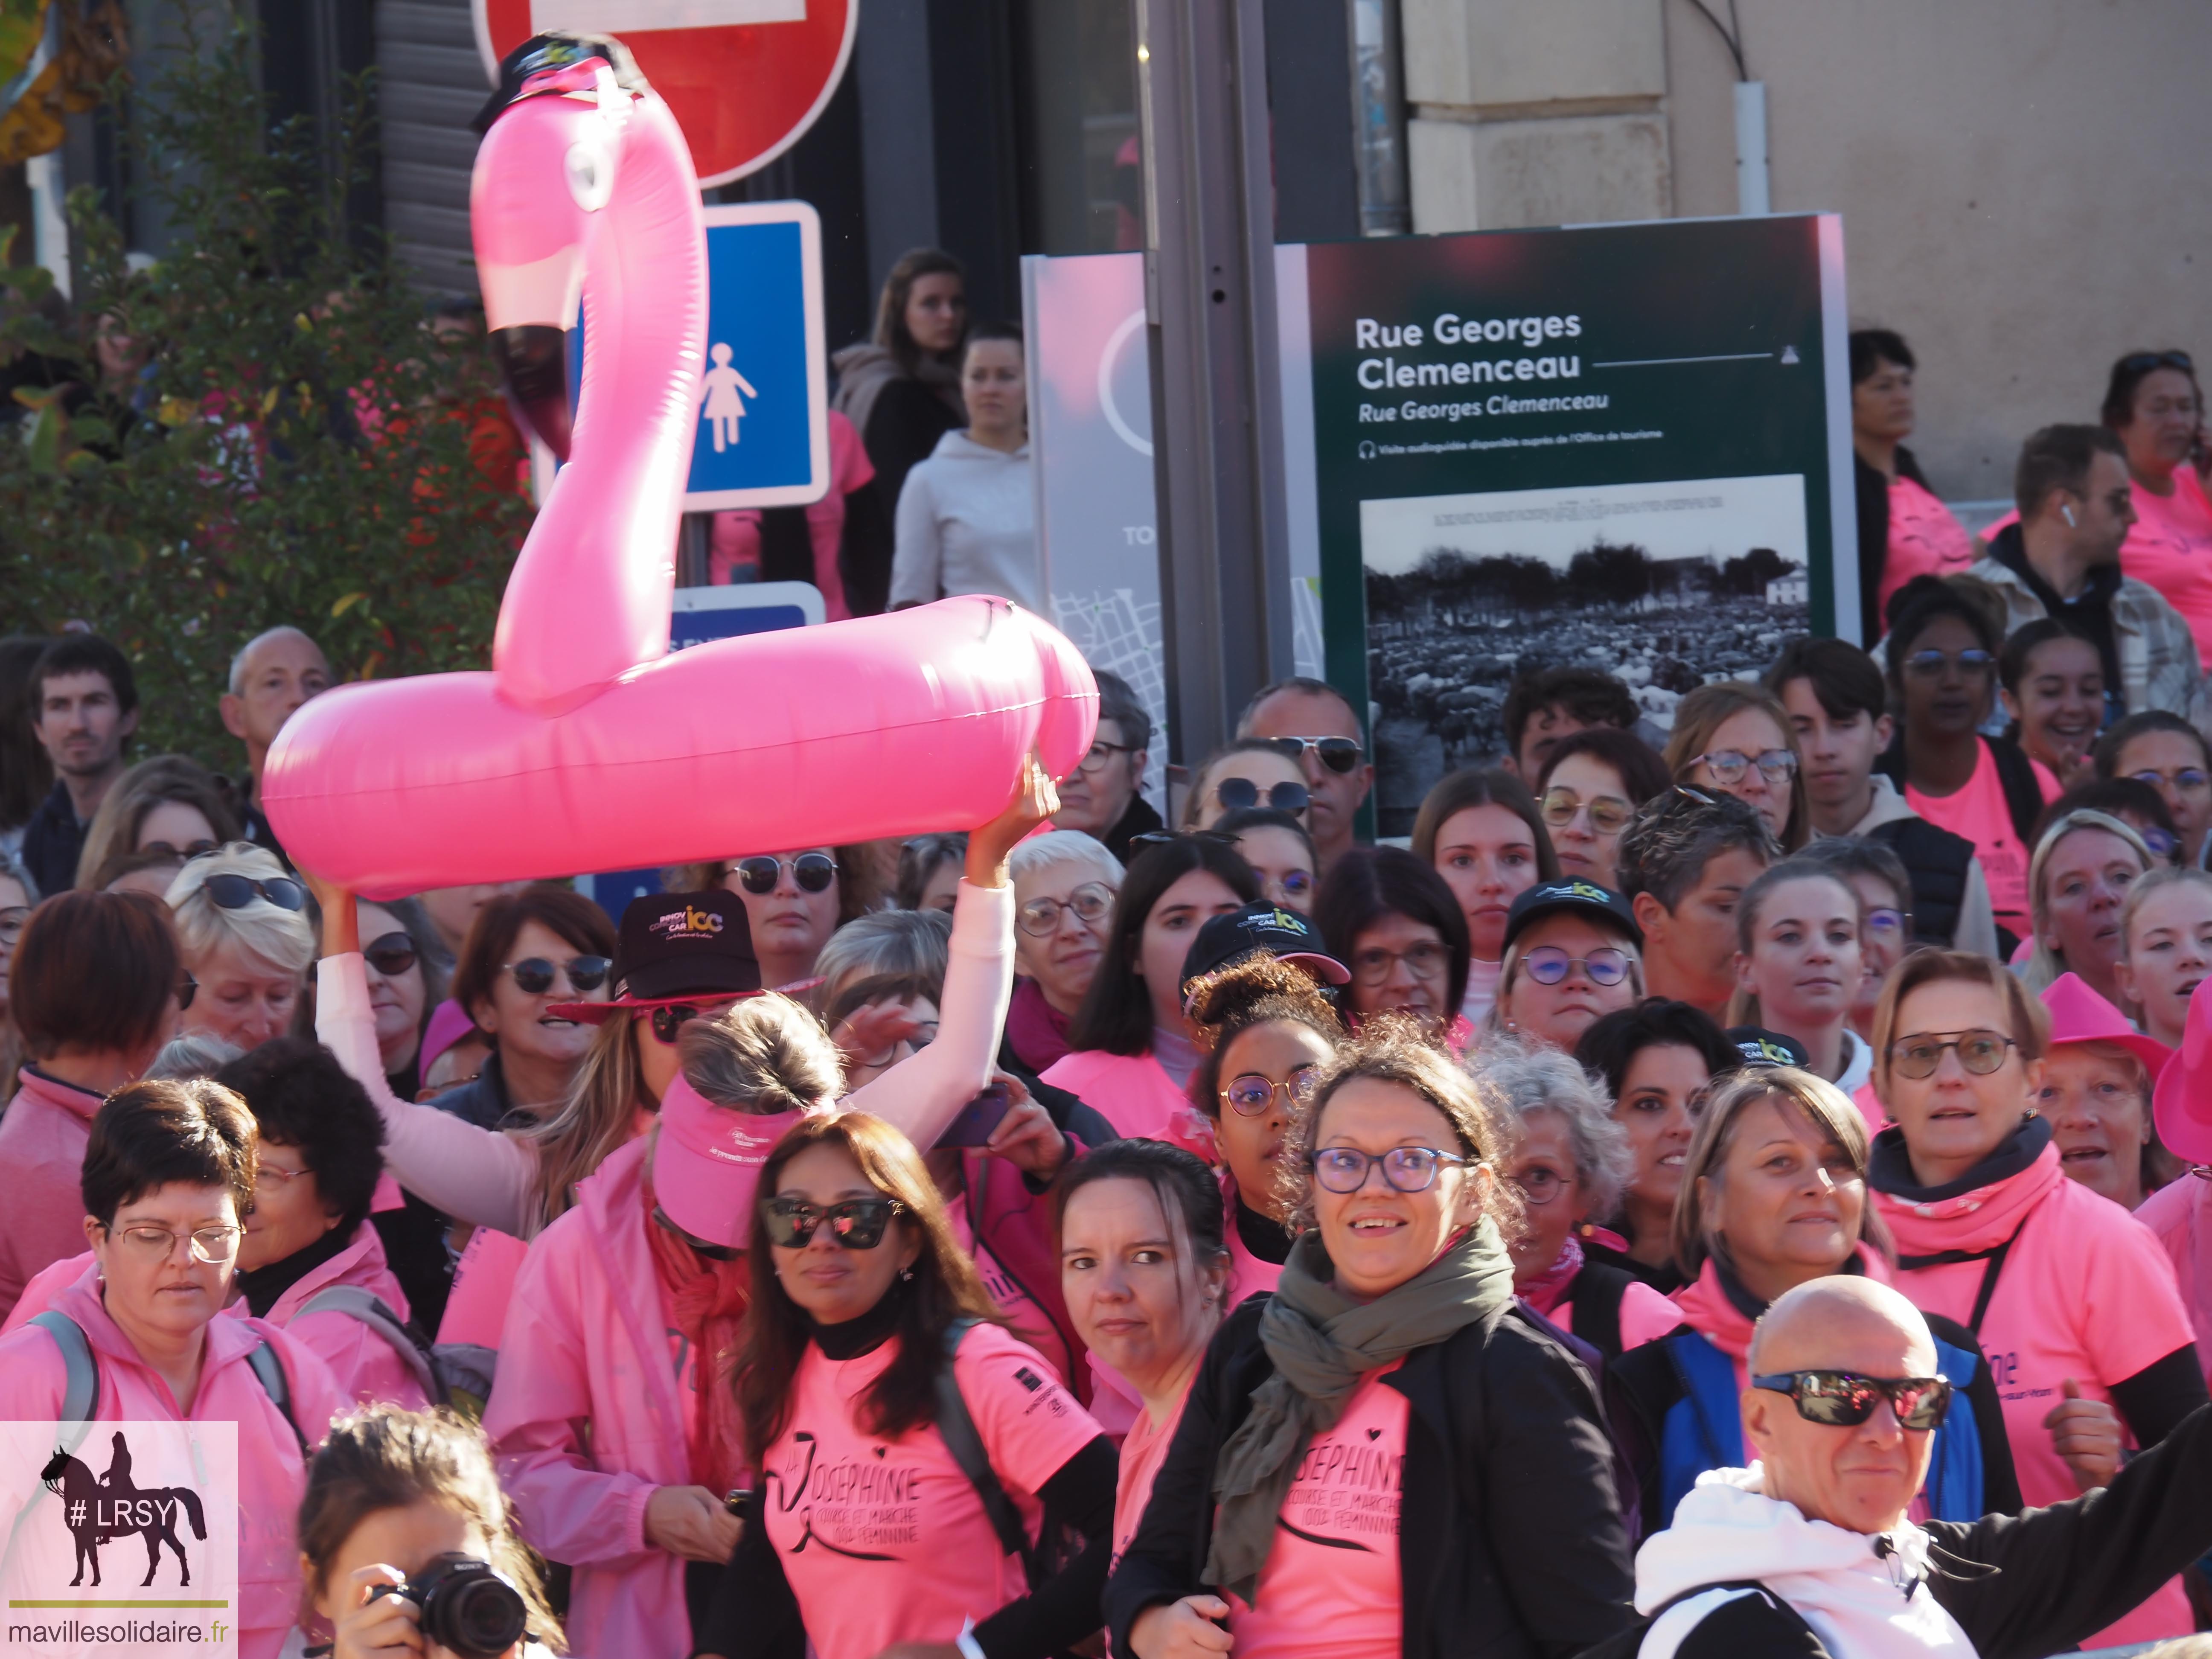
x=303, y=446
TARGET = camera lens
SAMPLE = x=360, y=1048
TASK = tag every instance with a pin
x=470, y=1609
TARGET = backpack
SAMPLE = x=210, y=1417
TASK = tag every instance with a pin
x=454, y=1374
x=957, y=1428
x=1628, y=1644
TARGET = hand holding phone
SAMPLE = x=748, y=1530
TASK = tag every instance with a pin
x=978, y=1118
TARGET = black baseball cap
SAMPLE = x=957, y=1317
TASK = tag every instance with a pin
x=1761, y=1047
x=1549, y=897
x=1284, y=934
x=678, y=947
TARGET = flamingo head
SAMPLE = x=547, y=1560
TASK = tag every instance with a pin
x=544, y=175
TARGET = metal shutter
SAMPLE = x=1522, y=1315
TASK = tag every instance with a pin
x=430, y=83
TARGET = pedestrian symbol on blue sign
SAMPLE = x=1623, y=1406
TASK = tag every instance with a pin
x=763, y=438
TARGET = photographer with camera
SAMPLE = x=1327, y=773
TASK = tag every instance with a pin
x=405, y=1546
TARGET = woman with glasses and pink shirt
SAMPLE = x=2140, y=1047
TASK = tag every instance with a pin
x=1735, y=737
x=1065, y=884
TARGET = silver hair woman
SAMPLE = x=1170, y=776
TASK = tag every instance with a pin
x=1571, y=1161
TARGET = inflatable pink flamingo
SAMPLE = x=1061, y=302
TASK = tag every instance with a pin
x=588, y=746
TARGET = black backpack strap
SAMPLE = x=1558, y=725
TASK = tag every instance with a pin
x=1599, y=1289
x=957, y=1428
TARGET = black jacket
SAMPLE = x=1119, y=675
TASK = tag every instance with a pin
x=2025, y=1585
x=53, y=841
x=2015, y=776
x=1511, y=1541
x=1137, y=819
x=1937, y=862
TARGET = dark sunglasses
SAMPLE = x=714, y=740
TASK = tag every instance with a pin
x=391, y=955
x=1844, y=1399
x=813, y=872
x=2141, y=362
x=670, y=1019
x=1338, y=754
x=189, y=850
x=1238, y=792
x=857, y=1224
x=534, y=975
x=236, y=892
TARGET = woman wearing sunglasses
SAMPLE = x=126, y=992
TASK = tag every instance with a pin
x=1799, y=966
x=406, y=983
x=166, y=804
x=1573, y=955
x=2077, y=882
x=242, y=921
x=1571, y=1161
x=1281, y=851
x=881, y=1521
x=1941, y=658
x=1774, y=1195
x=1591, y=785
x=1132, y=1051
x=1362, y=1508
x=2075, y=1295
x=1735, y=737
x=793, y=902
x=1482, y=833
x=1268, y=1032
x=1389, y=917
x=1250, y=772
x=169, y=1175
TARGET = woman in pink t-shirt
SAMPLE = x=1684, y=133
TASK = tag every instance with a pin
x=1147, y=1279
x=1389, y=1454
x=2053, y=685
x=1905, y=531
x=2071, y=1298
x=2155, y=406
x=867, y=1530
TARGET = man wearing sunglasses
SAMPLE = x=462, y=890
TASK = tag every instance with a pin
x=1330, y=750
x=2061, y=557
x=1814, y=1539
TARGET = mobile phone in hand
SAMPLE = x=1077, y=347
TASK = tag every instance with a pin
x=978, y=1118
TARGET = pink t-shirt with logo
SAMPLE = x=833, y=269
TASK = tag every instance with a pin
x=1979, y=813
x=1331, y=1589
x=885, y=1540
x=2170, y=547
x=1924, y=539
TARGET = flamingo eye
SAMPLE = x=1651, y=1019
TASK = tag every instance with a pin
x=590, y=172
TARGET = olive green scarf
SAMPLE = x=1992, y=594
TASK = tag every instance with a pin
x=1323, y=1343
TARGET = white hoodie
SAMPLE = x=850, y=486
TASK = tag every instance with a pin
x=1862, y=1605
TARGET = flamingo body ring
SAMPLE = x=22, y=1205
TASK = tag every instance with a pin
x=589, y=746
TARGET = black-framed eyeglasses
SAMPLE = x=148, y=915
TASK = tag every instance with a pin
x=1095, y=757
x=1249, y=1094
x=1342, y=1169
x=235, y=892
x=1040, y=917
x=1927, y=664
x=1979, y=1052
x=1548, y=964
x=391, y=954
x=1607, y=813
x=855, y=1224
x=1425, y=959
x=812, y=871
x=1730, y=766
x=1237, y=793
x=1338, y=754
x=1844, y=1399
x=534, y=975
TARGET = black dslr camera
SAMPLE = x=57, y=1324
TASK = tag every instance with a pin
x=467, y=1607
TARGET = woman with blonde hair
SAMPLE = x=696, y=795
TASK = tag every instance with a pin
x=2165, y=948
x=241, y=919
x=1774, y=1195
x=2085, y=862
x=168, y=804
x=1735, y=736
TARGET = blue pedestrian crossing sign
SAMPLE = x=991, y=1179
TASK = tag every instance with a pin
x=763, y=438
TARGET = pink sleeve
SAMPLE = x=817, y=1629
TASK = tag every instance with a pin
x=473, y=1175
x=2129, y=1310
x=1029, y=1424
x=568, y=1510
x=849, y=465
x=484, y=1286
x=1645, y=1316
x=923, y=1093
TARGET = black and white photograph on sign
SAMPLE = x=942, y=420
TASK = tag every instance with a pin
x=1667, y=585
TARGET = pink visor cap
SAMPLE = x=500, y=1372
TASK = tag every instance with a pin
x=2182, y=1104
x=706, y=1167
x=2079, y=1014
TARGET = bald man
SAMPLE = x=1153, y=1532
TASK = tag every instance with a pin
x=271, y=677
x=1809, y=1551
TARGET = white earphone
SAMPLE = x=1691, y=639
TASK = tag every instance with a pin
x=2068, y=513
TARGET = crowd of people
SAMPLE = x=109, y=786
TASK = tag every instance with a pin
x=1580, y=1230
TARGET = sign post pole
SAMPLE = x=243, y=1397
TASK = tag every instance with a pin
x=1216, y=382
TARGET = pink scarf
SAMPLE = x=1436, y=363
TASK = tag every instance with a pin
x=1036, y=1031
x=1549, y=1288
x=1978, y=1220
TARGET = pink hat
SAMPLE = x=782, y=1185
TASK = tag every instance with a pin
x=706, y=1167
x=2183, y=1102
x=2078, y=1014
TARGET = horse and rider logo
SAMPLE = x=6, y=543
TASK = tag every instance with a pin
x=99, y=1509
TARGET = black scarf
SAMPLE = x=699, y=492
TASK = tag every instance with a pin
x=265, y=1287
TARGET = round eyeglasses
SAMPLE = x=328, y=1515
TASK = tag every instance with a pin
x=1979, y=1052
x=1730, y=766
x=1548, y=964
x=1249, y=1094
x=1040, y=917
x=1342, y=1169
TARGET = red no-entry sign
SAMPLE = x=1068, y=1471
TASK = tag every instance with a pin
x=744, y=77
